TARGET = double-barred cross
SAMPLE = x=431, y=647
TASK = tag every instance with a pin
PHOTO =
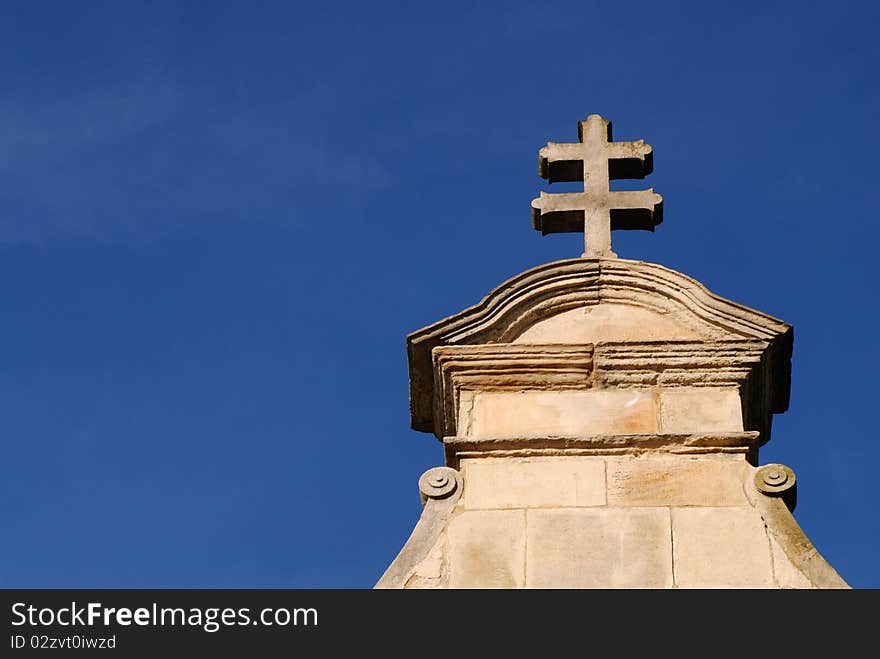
x=597, y=210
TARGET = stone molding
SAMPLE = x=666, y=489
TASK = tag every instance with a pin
x=457, y=448
x=610, y=365
x=500, y=367
x=553, y=288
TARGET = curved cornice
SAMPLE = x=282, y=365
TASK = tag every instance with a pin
x=552, y=288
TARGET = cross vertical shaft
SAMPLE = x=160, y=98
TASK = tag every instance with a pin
x=597, y=220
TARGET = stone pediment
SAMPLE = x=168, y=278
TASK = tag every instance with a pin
x=601, y=419
x=603, y=303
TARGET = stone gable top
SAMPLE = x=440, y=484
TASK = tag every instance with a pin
x=601, y=418
x=593, y=301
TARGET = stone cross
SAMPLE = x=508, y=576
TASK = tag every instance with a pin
x=597, y=210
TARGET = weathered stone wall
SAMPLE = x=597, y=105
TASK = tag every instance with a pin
x=608, y=411
x=606, y=522
x=601, y=421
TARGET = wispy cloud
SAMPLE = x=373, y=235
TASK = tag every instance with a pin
x=139, y=160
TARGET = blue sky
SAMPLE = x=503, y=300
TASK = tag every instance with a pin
x=218, y=222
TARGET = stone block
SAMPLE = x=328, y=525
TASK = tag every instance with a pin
x=700, y=409
x=677, y=481
x=720, y=548
x=534, y=482
x=487, y=549
x=787, y=575
x=429, y=574
x=605, y=322
x=560, y=413
x=599, y=548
